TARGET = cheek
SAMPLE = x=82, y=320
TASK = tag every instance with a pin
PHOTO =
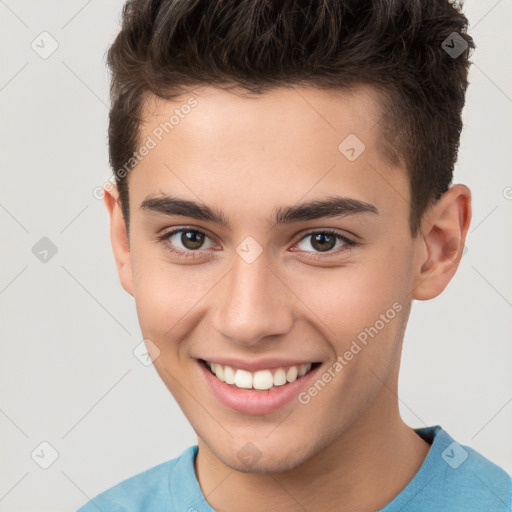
x=167, y=296
x=353, y=296
x=376, y=305
x=360, y=305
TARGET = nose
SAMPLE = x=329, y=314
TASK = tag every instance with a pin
x=253, y=303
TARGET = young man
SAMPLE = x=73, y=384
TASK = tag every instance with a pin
x=283, y=192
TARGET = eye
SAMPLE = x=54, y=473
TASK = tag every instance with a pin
x=325, y=241
x=189, y=241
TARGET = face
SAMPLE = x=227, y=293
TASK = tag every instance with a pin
x=233, y=260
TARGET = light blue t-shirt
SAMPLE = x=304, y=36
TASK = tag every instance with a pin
x=452, y=478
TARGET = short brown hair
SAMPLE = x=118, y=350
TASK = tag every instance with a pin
x=396, y=46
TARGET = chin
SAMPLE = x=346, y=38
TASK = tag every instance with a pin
x=268, y=459
x=266, y=465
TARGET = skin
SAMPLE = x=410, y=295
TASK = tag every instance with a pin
x=348, y=448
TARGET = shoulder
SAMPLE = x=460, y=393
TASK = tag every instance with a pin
x=148, y=490
x=475, y=481
x=454, y=477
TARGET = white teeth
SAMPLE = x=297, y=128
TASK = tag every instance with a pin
x=304, y=369
x=279, y=377
x=218, y=370
x=243, y=379
x=291, y=374
x=260, y=380
x=229, y=375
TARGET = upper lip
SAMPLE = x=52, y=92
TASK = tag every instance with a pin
x=267, y=363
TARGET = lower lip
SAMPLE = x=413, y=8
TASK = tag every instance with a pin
x=249, y=401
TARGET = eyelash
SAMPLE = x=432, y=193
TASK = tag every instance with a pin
x=348, y=243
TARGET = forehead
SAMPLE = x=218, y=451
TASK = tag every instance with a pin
x=288, y=142
x=336, y=110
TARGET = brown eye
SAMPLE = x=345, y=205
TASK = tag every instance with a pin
x=325, y=242
x=185, y=241
x=192, y=239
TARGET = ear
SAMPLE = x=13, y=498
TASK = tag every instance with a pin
x=119, y=236
x=441, y=242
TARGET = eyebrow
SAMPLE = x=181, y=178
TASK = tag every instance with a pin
x=330, y=207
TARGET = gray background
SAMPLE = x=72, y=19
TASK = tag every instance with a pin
x=68, y=375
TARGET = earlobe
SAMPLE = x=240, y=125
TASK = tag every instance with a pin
x=119, y=237
x=441, y=242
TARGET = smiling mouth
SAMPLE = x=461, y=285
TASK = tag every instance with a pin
x=261, y=380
